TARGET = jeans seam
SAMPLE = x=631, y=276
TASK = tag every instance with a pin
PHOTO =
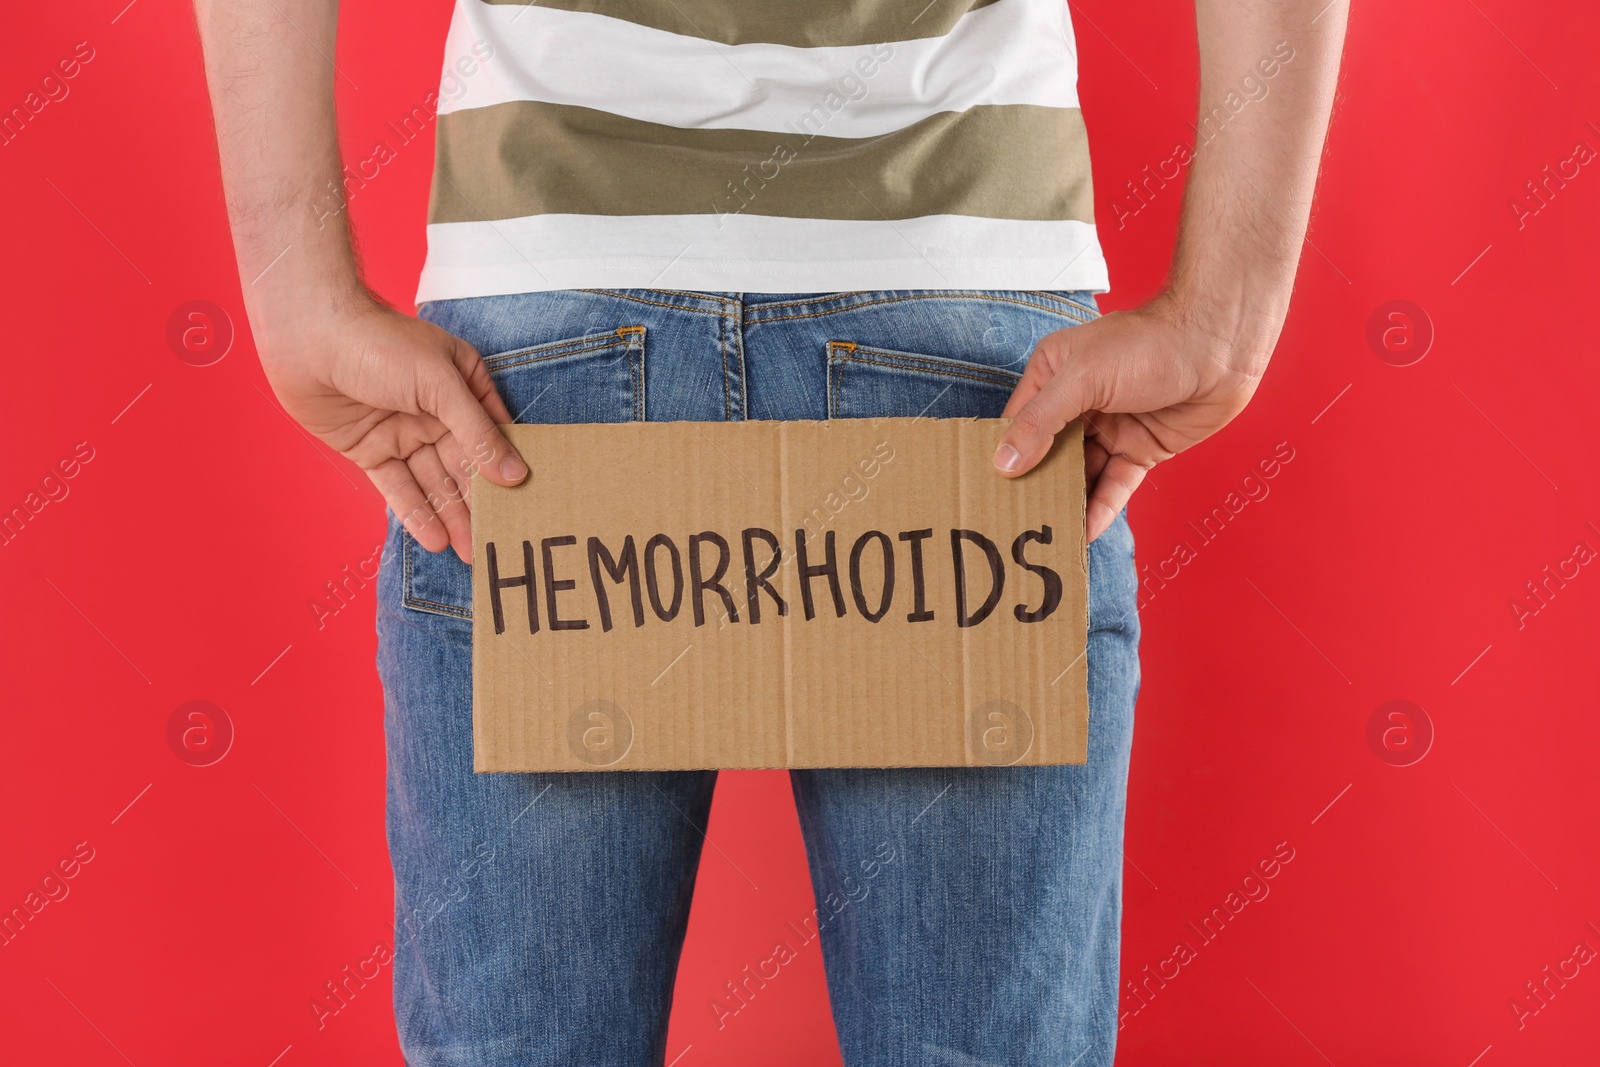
x=410, y=599
x=722, y=345
x=1092, y=313
x=921, y=370
x=929, y=365
x=930, y=295
x=733, y=373
x=662, y=303
x=507, y=359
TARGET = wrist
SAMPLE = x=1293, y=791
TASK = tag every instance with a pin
x=1240, y=320
x=301, y=311
x=299, y=275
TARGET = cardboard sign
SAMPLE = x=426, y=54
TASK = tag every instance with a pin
x=852, y=593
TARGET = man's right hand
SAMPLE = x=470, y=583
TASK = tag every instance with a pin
x=407, y=402
x=411, y=405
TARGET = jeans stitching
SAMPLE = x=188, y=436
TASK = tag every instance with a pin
x=662, y=303
x=930, y=364
x=744, y=385
x=722, y=345
x=410, y=599
x=930, y=295
x=1093, y=313
x=930, y=370
x=510, y=359
x=633, y=341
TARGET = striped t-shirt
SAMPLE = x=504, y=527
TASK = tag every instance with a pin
x=760, y=146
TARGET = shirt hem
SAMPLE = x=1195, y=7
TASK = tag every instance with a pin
x=457, y=281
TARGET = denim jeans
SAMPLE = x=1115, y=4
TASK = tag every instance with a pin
x=966, y=915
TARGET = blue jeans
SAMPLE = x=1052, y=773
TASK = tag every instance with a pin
x=966, y=915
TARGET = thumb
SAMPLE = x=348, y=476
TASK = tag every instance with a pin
x=484, y=446
x=1054, y=403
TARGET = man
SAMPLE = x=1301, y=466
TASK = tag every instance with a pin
x=723, y=209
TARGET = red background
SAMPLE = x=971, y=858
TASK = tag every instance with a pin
x=1383, y=565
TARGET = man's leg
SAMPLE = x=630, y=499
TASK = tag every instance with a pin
x=967, y=916
x=538, y=917
x=973, y=915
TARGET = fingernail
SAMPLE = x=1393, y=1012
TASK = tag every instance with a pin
x=1100, y=519
x=1006, y=458
x=513, y=469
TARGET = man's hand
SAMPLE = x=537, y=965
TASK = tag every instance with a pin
x=408, y=403
x=1151, y=382
x=1147, y=383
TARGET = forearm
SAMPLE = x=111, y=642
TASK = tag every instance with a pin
x=269, y=65
x=1268, y=71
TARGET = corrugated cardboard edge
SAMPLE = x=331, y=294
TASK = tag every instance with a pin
x=1088, y=591
x=480, y=762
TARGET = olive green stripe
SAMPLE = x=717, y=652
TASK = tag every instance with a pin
x=1013, y=161
x=814, y=24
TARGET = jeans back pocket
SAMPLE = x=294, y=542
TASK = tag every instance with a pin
x=939, y=354
x=597, y=377
x=868, y=382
